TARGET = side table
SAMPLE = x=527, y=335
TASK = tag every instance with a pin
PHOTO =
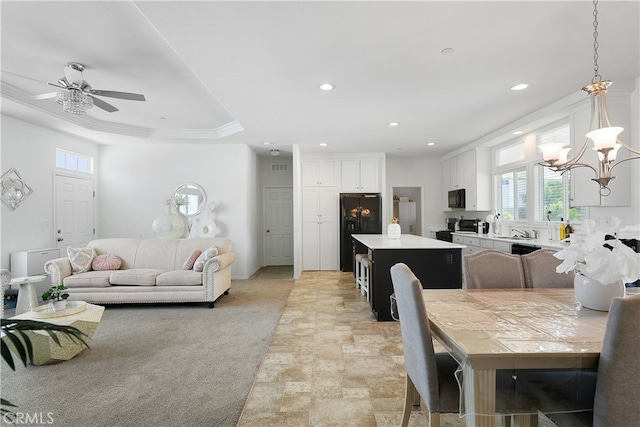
x=78, y=314
x=27, y=299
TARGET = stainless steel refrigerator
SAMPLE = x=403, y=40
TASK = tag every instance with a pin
x=360, y=214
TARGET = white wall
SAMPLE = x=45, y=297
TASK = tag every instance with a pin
x=135, y=180
x=31, y=150
x=419, y=172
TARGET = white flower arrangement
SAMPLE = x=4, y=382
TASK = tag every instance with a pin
x=606, y=261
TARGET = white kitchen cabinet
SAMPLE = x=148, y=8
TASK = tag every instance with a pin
x=320, y=229
x=584, y=191
x=320, y=173
x=470, y=171
x=360, y=176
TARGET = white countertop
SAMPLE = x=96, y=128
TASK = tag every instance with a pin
x=543, y=243
x=406, y=241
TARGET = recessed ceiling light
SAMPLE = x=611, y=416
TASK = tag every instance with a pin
x=447, y=51
x=431, y=144
x=392, y=124
x=323, y=144
x=520, y=86
x=327, y=86
x=518, y=132
x=266, y=143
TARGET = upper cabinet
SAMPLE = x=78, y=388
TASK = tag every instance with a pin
x=584, y=191
x=470, y=171
x=320, y=173
x=360, y=176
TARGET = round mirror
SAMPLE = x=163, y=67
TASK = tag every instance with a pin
x=190, y=199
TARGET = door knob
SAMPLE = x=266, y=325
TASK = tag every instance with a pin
x=60, y=239
x=268, y=231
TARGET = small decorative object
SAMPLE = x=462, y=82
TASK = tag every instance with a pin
x=58, y=295
x=170, y=225
x=601, y=260
x=14, y=189
x=393, y=229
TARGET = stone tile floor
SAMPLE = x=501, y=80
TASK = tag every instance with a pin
x=330, y=363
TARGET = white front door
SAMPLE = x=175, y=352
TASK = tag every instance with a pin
x=75, y=206
x=278, y=226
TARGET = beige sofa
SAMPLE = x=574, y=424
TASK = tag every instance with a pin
x=151, y=272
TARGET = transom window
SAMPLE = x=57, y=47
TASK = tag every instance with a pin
x=73, y=161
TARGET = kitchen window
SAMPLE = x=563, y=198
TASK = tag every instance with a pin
x=511, y=181
x=553, y=189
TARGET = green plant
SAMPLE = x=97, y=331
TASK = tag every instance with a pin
x=15, y=332
x=56, y=293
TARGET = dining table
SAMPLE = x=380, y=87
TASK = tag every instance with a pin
x=487, y=330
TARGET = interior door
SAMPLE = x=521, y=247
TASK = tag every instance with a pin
x=278, y=226
x=75, y=207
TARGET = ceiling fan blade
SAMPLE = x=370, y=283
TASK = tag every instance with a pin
x=44, y=95
x=55, y=85
x=73, y=75
x=104, y=105
x=122, y=95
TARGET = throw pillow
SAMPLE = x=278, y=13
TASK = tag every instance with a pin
x=188, y=264
x=80, y=259
x=204, y=257
x=106, y=262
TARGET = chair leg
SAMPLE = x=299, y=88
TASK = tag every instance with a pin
x=409, y=393
x=434, y=419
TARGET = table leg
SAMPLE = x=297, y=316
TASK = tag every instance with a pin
x=27, y=299
x=479, y=396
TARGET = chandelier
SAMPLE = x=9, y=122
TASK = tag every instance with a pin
x=604, y=136
x=74, y=101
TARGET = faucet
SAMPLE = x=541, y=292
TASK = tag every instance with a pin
x=524, y=233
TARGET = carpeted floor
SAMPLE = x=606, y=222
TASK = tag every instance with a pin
x=159, y=365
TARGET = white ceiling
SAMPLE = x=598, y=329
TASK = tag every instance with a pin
x=248, y=72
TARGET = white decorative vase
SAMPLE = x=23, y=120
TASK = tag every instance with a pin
x=393, y=231
x=169, y=225
x=594, y=295
x=60, y=305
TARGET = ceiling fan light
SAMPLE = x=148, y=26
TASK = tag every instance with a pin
x=74, y=101
x=605, y=138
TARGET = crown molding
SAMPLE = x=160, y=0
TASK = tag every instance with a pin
x=219, y=132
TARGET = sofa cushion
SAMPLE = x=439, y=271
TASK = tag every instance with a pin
x=135, y=276
x=179, y=278
x=80, y=259
x=106, y=262
x=188, y=264
x=204, y=257
x=90, y=279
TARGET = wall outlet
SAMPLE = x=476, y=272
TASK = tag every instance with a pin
x=44, y=223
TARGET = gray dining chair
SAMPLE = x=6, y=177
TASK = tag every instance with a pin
x=618, y=381
x=490, y=269
x=431, y=375
x=540, y=270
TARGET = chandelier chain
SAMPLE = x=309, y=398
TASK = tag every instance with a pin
x=596, y=77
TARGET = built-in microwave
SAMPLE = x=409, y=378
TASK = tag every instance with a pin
x=456, y=198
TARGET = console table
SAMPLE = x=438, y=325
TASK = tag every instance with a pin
x=438, y=265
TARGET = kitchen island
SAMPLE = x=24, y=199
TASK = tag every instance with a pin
x=436, y=263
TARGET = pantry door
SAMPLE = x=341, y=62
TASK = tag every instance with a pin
x=75, y=212
x=278, y=226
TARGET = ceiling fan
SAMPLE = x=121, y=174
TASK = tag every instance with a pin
x=77, y=95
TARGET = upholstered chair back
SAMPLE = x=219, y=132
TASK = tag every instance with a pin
x=490, y=268
x=540, y=271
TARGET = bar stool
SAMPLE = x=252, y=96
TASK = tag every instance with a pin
x=363, y=267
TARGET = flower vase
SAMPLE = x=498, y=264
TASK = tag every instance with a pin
x=169, y=225
x=594, y=295
x=393, y=231
x=60, y=305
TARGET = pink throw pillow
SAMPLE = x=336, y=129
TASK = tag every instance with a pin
x=106, y=262
x=188, y=264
